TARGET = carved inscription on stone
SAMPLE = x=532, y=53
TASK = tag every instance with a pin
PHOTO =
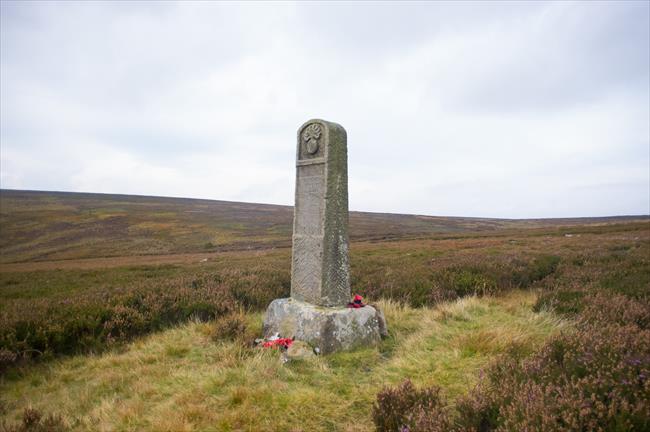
x=307, y=268
x=308, y=232
x=310, y=200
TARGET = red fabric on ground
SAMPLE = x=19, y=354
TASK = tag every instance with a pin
x=357, y=302
x=282, y=342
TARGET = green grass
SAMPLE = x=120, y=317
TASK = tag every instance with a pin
x=182, y=380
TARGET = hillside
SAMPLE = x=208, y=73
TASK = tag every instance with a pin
x=114, y=339
x=44, y=226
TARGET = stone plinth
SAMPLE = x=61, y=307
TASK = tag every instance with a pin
x=329, y=329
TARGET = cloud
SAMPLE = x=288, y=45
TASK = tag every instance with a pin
x=501, y=109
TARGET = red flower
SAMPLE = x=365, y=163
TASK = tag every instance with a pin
x=281, y=342
x=357, y=302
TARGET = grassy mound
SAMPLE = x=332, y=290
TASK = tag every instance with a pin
x=182, y=379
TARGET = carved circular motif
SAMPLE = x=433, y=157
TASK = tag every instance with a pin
x=310, y=137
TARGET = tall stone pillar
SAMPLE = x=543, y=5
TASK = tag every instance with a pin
x=316, y=312
x=320, y=270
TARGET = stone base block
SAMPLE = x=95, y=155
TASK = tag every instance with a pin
x=329, y=329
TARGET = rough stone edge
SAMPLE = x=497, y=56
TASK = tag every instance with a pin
x=336, y=243
x=328, y=331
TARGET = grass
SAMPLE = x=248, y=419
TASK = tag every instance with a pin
x=182, y=380
x=96, y=292
x=84, y=305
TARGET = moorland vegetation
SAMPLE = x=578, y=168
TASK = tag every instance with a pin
x=514, y=327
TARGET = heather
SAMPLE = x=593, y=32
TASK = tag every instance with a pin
x=407, y=407
x=592, y=376
x=138, y=300
x=519, y=326
x=95, y=319
x=595, y=376
x=46, y=226
x=72, y=310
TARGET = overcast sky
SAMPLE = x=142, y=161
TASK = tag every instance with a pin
x=507, y=109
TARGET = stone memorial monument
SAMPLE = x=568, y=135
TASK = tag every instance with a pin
x=317, y=311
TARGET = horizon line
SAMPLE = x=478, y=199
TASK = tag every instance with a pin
x=627, y=216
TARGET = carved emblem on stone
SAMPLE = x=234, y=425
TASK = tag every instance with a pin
x=311, y=136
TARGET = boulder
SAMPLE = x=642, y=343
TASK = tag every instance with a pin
x=329, y=329
x=381, y=319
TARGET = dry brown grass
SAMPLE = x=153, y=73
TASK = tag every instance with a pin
x=181, y=380
x=68, y=310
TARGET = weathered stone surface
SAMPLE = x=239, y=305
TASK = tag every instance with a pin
x=329, y=329
x=381, y=320
x=300, y=350
x=320, y=270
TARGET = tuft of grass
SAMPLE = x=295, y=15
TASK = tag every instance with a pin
x=34, y=420
x=236, y=326
x=180, y=379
